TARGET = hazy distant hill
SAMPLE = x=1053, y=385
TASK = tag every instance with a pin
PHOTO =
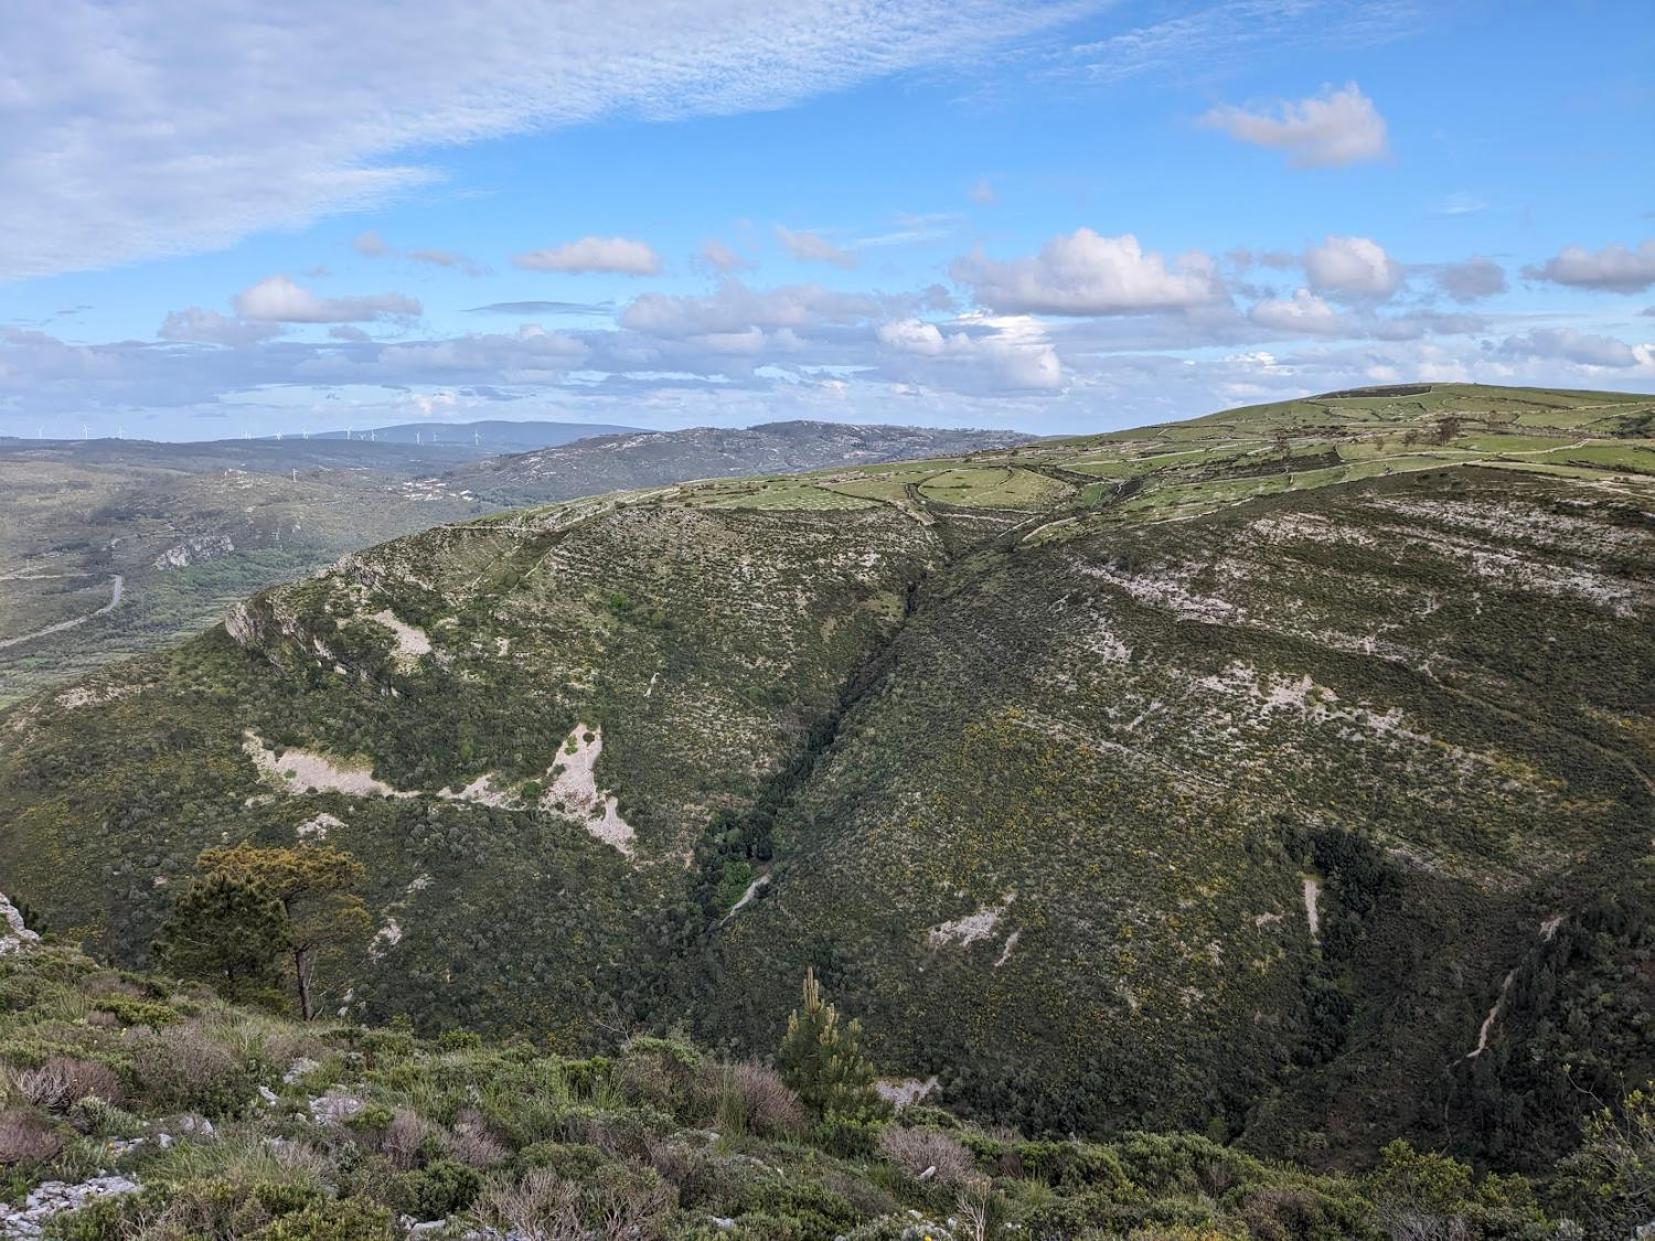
x=490, y=436
x=189, y=528
x=1285, y=774
x=650, y=459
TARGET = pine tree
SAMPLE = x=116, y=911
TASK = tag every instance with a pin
x=822, y=1060
x=315, y=885
x=229, y=932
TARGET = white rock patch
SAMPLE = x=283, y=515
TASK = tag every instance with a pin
x=386, y=938
x=319, y=827
x=55, y=1197
x=412, y=642
x=573, y=790
x=306, y=771
x=1312, y=906
x=14, y=934
x=970, y=928
x=899, y=1092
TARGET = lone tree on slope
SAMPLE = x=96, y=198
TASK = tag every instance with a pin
x=822, y=1060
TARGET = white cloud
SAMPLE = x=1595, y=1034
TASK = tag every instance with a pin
x=137, y=130
x=1615, y=268
x=1083, y=273
x=1233, y=33
x=208, y=327
x=982, y=193
x=810, y=247
x=1569, y=345
x=1014, y=349
x=620, y=255
x=735, y=308
x=278, y=300
x=715, y=256
x=371, y=245
x=1352, y=267
x=1471, y=280
x=1331, y=130
x=1303, y=313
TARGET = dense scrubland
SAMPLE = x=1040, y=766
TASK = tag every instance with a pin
x=132, y=1107
x=1281, y=777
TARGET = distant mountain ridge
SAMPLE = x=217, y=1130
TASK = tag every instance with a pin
x=648, y=459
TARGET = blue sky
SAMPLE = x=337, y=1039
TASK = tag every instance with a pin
x=1060, y=217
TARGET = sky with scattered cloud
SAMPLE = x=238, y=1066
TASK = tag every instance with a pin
x=1057, y=215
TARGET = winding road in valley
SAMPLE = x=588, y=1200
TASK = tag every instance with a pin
x=117, y=587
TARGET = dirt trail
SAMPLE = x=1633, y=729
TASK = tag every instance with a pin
x=117, y=587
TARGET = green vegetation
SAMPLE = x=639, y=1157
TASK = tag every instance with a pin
x=1283, y=776
x=214, y=1121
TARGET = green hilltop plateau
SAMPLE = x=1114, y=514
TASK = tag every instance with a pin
x=1282, y=775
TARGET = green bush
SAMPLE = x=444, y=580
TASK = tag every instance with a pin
x=442, y=1188
x=350, y=1219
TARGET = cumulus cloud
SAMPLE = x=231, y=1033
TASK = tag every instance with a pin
x=1614, y=269
x=1303, y=313
x=1472, y=280
x=1014, y=349
x=809, y=247
x=622, y=256
x=208, y=327
x=172, y=127
x=279, y=300
x=1331, y=130
x=1084, y=273
x=1355, y=267
x=1568, y=345
x=717, y=257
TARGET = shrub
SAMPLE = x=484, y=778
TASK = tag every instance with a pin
x=349, y=1219
x=408, y=1141
x=438, y=1190
x=98, y=1117
x=913, y=1151
x=658, y=1072
x=619, y=1202
x=27, y=1137
x=63, y=1081
x=473, y=1144
x=131, y=1012
x=184, y=1067
x=750, y=1098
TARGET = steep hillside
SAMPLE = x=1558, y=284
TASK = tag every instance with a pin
x=1285, y=774
x=621, y=462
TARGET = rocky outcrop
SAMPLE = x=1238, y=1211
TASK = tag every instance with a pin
x=15, y=936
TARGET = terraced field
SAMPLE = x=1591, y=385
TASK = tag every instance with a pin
x=1284, y=774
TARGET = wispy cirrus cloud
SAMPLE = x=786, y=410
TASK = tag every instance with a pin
x=1215, y=37
x=371, y=245
x=170, y=127
x=811, y=247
